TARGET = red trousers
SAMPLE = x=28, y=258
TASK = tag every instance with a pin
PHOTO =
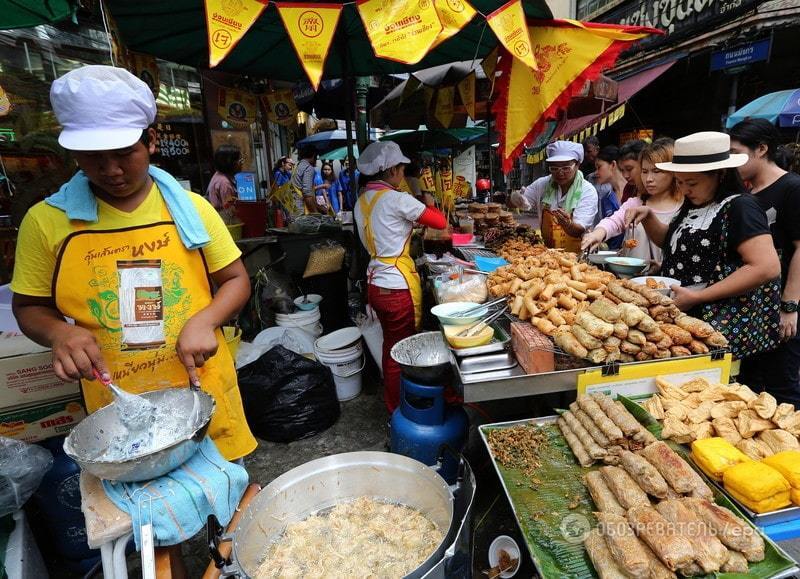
x=395, y=311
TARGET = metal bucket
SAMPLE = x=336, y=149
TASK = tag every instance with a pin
x=325, y=482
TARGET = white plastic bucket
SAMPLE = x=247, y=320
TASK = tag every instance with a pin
x=346, y=365
x=307, y=321
x=339, y=340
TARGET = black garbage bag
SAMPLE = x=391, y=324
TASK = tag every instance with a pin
x=287, y=397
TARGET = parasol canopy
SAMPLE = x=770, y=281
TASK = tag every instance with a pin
x=23, y=13
x=436, y=138
x=781, y=108
x=176, y=31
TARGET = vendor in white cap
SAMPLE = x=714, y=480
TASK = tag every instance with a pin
x=565, y=202
x=385, y=218
x=130, y=255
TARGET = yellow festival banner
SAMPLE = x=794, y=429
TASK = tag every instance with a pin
x=310, y=28
x=444, y=105
x=454, y=15
x=399, y=30
x=426, y=183
x=145, y=67
x=280, y=106
x=489, y=63
x=411, y=86
x=570, y=53
x=227, y=23
x=466, y=90
x=509, y=25
x=236, y=107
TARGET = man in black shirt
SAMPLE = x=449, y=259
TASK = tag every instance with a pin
x=778, y=193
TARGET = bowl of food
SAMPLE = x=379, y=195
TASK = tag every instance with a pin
x=504, y=556
x=479, y=339
x=626, y=266
x=657, y=282
x=600, y=257
x=447, y=313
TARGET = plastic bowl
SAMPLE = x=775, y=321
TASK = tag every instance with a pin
x=312, y=301
x=626, y=265
x=508, y=545
x=462, y=238
x=667, y=281
x=600, y=257
x=479, y=339
x=445, y=313
x=489, y=264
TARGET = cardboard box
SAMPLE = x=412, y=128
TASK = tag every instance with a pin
x=26, y=374
x=534, y=350
x=41, y=421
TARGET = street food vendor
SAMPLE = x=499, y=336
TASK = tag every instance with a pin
x=385, y=217
x=565, y=202
x=128, y=254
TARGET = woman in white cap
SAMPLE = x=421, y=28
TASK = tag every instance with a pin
x=385, y=217
x=128, y=254
x=718, y=245
x=565, y=202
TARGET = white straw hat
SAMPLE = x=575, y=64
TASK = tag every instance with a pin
x=704, y=151
x=101, y=108
x=380, y=156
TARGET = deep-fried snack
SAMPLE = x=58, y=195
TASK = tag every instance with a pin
x=679, y=336
x=678, y=351
x=672, y=548
x=628, y=348
x=605, y=310
x=657, y=569
x=730, y=529
x=728, y=409
x=779, y=440
x=753, y=448
x=574, y=444
x=570, y=344
x=603, y=422
x=647, y=324
x=594, y=325
x=628, y=493
x=601, y=557
x=628, y=296
x=645, y=474
x=589, y=425
x=597, y=356
x=592, y=448
x=631, y=314
x=587, y=340
x=611, y=344
x=623, y=544
x=698, y=347
x=749, y=424
x=717, y=340
x=726, y=428
x=603, y=498
x=764, y=405
x=654, y=297
x=622, y=418
x=698, y=328
x=672, y=467
x=654, y=406
x=636, y=337
x=709, y=552
x=677, y=430
x=736, y=563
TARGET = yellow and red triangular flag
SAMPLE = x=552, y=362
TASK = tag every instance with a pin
x=489, y=63
x=509, y=25
x=454, y=15
x=570, y=53
x=466, y=90
x=227, y=23
x=400, y=31
x=444, y=105
x=310, y=28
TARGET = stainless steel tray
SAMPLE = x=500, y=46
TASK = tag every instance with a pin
x=487, y=363
x=500, y=340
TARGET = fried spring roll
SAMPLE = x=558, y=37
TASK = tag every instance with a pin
x=671, y=466
x=627, y=550
x=603, y=422
x=603, y=498
x=625, y=489
x=657, y=569
x=672, y=548
x=590, y=426
x=574, y=444
x=645, y=474
x=601, y=557
x=621, y=417
x=736, y=563
x=710, y=553
x=730, y=529
x=592, y=448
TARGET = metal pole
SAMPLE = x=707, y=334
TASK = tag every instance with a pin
x=489, y=144
x=734, y=91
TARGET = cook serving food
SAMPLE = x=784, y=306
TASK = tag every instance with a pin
x=128, y=254
x=385, y=217
x=565, y=201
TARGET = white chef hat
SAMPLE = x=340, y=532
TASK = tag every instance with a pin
x=380, y=156
x=564, y=151
x=101, y=108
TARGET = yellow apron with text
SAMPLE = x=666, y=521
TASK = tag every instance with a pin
x=403, y=262
x=555, y=236
x=86, y=288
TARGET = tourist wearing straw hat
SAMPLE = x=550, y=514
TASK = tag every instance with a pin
x=718, y=246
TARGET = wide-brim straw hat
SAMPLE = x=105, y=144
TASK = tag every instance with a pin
x=705, y=151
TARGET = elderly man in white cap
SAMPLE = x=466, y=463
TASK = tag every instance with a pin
x=385, y=217
x=565, y=202
x=128, y=254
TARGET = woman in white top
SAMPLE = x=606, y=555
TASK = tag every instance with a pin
x=661, y=194
x=385, y=217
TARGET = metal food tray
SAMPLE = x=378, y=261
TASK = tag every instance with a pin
x=469, y=253
x=544, y=420
x=487, y=363
x=499, y=342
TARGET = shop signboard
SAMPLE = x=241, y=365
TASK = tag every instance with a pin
x=172, y=142
x=677, y=18
x=245, y=186
x=742, y=54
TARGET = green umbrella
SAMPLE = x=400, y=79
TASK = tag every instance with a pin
x=176, y=31
x=23, y=13
x=437, y=138
x=340, y=153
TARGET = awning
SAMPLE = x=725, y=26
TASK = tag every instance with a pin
x=579, y=128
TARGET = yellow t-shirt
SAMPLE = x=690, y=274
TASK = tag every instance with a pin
x=45, y=227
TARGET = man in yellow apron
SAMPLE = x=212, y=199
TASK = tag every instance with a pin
x=565, y=202
x=385, y=217
x=131, y=257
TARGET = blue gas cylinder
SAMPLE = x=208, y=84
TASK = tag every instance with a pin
x=59, y=500
x=423, y=423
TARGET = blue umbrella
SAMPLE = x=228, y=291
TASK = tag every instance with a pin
x=782, y=107
x=326, y=140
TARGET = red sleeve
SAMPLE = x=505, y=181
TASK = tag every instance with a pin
x=432, y=217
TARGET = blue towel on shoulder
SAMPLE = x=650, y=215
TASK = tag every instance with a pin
x=182, y=499
x=76, y=199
